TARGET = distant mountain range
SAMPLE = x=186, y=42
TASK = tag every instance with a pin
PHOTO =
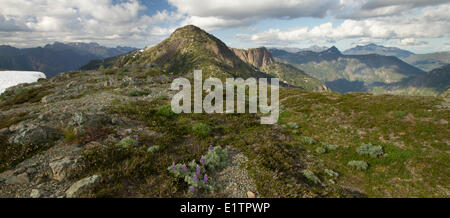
x=433, y=83
x=349, y=73
x=55, y=58
x=314, y=48
x=378, y=49
x=426, y=62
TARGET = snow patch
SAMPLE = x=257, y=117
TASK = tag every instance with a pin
x=12, y=78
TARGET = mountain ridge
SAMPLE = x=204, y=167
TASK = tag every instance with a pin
x=262, y=59
x=425, y=62
x=55, y=58
x=341, y=71
x=189, y=48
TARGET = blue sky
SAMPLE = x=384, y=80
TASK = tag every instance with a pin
x=421, y=26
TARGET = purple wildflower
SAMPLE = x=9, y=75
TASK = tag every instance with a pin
x=211, y=148
x=126, y=92
x=202, y=160
x=195, y=178
x=174, y=167
x=137, y=99
x=184, y=168
x=192, y=189
x=137, y=138
x=198, y=170
x=205, y=179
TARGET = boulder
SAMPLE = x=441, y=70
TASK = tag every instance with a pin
x=81, y=186
x=18, y=180
x=36, y=193
x=34, y=135
x=60, y=168
x=89, y=120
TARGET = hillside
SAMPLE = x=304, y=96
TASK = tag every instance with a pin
x=428, y=62
x=433, y=83
x=349, y=73
x=55, y=58
x=118, y=138
x=262, y=59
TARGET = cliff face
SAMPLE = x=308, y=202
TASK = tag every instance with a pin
x=258, y=57
x=262, y=59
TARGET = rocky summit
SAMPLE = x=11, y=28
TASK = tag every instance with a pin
x=110, y=132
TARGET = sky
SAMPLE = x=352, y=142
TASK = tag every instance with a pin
x=421, y=26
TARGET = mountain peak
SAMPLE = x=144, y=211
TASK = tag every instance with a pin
x=332, y=50
x=189, y=29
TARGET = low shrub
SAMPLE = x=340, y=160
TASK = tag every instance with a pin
x=308, y=140
x=329, y=146
x=311, y=177
x=358, y=164
x=216, y=158
x=153, y=149
x=321, y=150
x=165, y=111
x=331, y=173
x=138, y=92
x=371, y=150
x=195, y=175
x=69, y=135
x=293, y=125
x=128, y=142
x=201, y=129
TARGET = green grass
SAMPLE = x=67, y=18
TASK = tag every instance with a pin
x=414, y=143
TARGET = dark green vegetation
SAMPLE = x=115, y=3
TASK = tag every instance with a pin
x=55, y=58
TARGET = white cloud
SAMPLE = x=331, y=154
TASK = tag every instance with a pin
x=412, y=42
x=431, y=22
x=212, y=14
x=102, y=21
